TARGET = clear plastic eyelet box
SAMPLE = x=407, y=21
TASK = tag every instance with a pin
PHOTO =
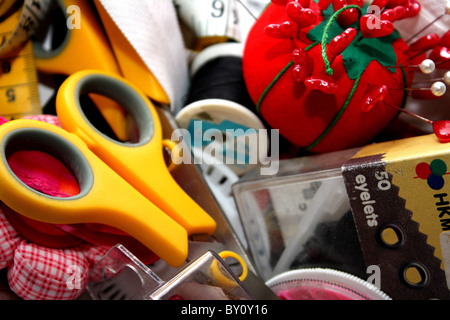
x=300, y=217
x=119, y=275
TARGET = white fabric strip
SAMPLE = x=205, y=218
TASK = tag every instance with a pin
x=151, y=27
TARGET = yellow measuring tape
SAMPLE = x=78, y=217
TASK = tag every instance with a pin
x=19, y=20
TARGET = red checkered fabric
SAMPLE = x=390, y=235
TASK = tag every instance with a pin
x=40, y=273
x=43, y=273
x=9, y=240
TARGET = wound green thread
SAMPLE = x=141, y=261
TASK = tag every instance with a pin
x=279, y=75
x=337, y=117
x=272, y=84
x=326, y=34
x=311, y=45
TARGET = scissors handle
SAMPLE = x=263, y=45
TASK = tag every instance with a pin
x=83, y=48
x=142, y=164
x=95, y=45
x=104, y=198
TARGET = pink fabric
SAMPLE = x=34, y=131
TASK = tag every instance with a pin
x=312, y=293
x=44, y=173
x=41, y=171
x=45, y=118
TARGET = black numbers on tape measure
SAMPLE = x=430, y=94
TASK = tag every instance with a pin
x=28, y=24
x=235, y=17
x=218, y=8
x=11, y=95
x=6, y=67
x=36, y=4
x=29, y=20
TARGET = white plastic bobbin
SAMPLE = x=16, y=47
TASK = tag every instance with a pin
x=323, y=284
x=222, y=113
x=217, y=111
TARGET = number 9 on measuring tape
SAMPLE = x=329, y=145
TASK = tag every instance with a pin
x=210, y=21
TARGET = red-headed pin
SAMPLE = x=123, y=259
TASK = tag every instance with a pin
x=304, y=17
x=341, y=42
x=378, y=93
x=287, y=29
x=322, y=83
x=347, y=17
x=373, y=27
x=303, y=64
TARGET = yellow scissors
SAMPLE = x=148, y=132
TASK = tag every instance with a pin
x=97, y=44
x=123, y=185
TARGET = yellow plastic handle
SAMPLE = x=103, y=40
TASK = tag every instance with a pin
x=218, y=274
x=142, y=164
x=89, y=47
x=230, y=254
x=86, y=47
x=174, y=159
x=104, y=198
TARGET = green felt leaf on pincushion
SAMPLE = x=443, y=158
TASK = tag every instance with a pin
x=361, y=51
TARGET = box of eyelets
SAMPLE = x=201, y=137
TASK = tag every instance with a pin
x=398, y=191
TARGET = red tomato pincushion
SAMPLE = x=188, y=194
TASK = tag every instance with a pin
x=309, y=66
